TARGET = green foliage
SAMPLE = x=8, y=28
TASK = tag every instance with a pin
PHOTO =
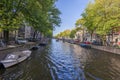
x=68, y=33
x=72, y=34
x=42, y=15
x=101, y=16
x=64, y=34
x=80, y=22
x=9, y=19
x=49, y=33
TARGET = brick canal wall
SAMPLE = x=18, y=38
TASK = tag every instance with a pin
x=107, y=49
x=7, y=50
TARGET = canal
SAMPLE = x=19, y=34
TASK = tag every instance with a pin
x=64, y=61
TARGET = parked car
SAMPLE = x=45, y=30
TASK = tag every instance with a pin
x=76, y=41
x=87, y=42
x=2, y=43
x=21, y=41
x=97, y=43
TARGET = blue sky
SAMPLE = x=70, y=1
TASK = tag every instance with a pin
x=71, y=11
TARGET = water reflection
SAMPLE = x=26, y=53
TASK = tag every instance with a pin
x=103, y=65
x=64, y=61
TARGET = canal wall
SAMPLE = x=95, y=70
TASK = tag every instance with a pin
x=107, y=49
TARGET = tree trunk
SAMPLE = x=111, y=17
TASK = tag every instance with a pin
x=83, y=36
x=91, y=36
x=6, y=36
x=37, y=34
x=34, y=35
x=104, y=39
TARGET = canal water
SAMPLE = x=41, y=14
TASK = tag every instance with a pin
x=64, y=61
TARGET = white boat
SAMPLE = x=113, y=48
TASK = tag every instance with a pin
x=15, y=58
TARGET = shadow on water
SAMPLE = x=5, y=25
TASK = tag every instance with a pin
x=103, y=65
x=64, y=61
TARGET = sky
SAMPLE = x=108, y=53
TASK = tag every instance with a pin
x=71, y=11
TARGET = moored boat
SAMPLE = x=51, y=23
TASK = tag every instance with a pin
x=42, y=44
x=34, y=48
x=57, y=40
x=85, y=45
x=14, y=58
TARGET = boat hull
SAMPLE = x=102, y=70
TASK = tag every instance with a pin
x=21, y=57
x=42, y=44
x=34, y=48
x=85, y=45
x=9, y=64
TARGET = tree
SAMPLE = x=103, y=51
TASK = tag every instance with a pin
x=72, y=34
x=42, y=15
x=64, y=34
x=47, y=17
x=101, y=17
x=10, y=17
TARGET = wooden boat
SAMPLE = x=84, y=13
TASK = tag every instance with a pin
x=14, y=58
x=34, y=48
x=85, y=45
x=57, y=40
x=42, y=44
